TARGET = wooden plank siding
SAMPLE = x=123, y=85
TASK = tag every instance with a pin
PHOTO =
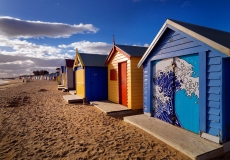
x=213, y=94
x=80, y=83
x=70, y=78
x=136, y=84
x=64, y=79
x=171, y=42
x=174, y=41
x=134, y=81
x=113, y=86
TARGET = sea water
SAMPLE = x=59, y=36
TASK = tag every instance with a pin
x=3, y=81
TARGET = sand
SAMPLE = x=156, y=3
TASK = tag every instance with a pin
x=36, y=123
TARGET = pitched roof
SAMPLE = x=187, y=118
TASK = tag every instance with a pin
x=133, y=51
x=69, y=62
x=220, y=40
x=128, y=51
x=93, y=60
x=218, y=36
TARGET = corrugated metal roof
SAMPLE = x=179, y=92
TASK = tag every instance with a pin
x=69, y=62
x=215, y=35
x=93, y=60
x=133, y=51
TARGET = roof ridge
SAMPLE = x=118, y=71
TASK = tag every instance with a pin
x=198, y=25
x=130, y=45
x=92, y=54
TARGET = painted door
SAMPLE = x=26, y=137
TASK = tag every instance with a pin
x=80, y=83
x=176, y=91
x=123, y=83
x=95, y=84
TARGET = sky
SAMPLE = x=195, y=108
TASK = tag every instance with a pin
x=40, y=34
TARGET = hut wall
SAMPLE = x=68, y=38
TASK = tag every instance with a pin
x=113, y=89
x=96, y=84
x=70, y=78
x=136, y=93
x=64, y=79
x=173, y=43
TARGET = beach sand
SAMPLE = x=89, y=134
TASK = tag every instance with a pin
x=36, y=123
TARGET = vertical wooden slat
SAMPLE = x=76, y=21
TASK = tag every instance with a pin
x=202, y=81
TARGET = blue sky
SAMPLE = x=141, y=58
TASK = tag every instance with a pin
x=39, y=34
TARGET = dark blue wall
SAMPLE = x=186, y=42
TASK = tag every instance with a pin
x=174, y=43
x=102, y=86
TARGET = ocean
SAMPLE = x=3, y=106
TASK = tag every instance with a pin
x=3, y=81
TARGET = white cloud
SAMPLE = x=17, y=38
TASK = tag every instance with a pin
x=25, y=48
x=186, y=4
x=146, y=45
x=89, y=47
x=18, y=57
x=71, y=51
x=20, y=65
x=16, y=28
x=136, y=45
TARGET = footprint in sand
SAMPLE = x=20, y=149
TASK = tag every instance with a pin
x=143, y=147
x=96, y=151
x=42, y=90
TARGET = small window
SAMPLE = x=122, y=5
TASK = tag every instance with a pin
x=113, y=74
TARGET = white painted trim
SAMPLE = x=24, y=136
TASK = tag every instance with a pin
x=211, y=43
x=195, y=35
x=78, y=58
x=210, y=137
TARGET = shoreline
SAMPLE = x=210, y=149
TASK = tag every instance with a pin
x=3, y=82
x=10, y=83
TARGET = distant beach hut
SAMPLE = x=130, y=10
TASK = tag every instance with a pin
x=50, y=76
x=63, y=75
x=46, y=76
x=58, y=78
x=91, y=76
x=124, y=78
x=70, y=74
x=186, y=79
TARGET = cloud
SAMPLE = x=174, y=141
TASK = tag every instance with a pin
x=146, y=45
x=24, y=48
x=16, y=28
x=19, y=57
x=186, y=4
x=89, y=47
x=18, y=65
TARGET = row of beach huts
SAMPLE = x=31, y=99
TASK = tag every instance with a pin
x=182, y=78
x=51, y=76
